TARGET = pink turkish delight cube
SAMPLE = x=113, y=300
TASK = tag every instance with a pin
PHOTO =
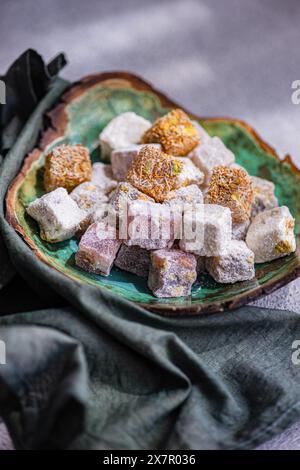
x=133, y=259
x=98, y=249
x=172, y=273
x=152, y=226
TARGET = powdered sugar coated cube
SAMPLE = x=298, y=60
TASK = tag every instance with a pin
x=271, y=234
x=207, y=230
x=172, y=273
x=98, y=249
x=58, y=216
x=122, y=131
x=235, y=265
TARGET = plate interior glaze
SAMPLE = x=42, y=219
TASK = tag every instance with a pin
x=80, y=116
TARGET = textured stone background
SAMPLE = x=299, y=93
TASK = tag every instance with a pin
x=215, y=57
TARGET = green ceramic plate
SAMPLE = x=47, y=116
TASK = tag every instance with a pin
x=80, y=116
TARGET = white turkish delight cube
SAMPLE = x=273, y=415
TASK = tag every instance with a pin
x=89, y=196
x=191, y=194
x=121, y=160
x=98, y=249
x=189, y=173
x=172, y=273
x=236, y=265
x=122, y=131
x=204, y=136
x=133, y=259
x=58, y=215
x=271, y=234
x=209, y=154
x=102, y=177
x=264, y=197
x=152, y=226
x=207, y=230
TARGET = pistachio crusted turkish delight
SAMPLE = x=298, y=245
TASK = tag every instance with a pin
x=175, y=132
x=58, y=216
x=66, y=166
x=271, y=234
x=232, y=188
x=156, y=174
x=121, y=160
x=172, y=273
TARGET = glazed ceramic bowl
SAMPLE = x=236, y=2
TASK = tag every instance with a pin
x=80, y=116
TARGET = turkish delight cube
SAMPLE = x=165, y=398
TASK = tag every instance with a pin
x=122, y=131
x=98, y=249
x=133, y=259
x=175, y=132
x=172, y=273
x=66, y=166
x=204, y=136
x=189, y=173
x=121, y=160
x=209, y=154
x=156, y=174
x=102, y=177
x=264, y=197
x=186, y=195
x=232, y=188
x=271, y=234
x=240, y=229
x=236, y=265
x=124, y=194
x=88, y=196
x=152, y=226
x=58, y=216
x=207, y=230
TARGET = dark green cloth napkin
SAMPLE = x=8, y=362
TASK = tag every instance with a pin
x=27, y=81
x=102, y=373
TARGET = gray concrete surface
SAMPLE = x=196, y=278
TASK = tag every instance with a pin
x=215, y=57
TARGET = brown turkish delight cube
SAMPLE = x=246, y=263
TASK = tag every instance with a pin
x=156, y=174
x=98, y=249
x=172, y=273
x=175, y=132
x=134, y=259
x=232, y=188
x=66, y=166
